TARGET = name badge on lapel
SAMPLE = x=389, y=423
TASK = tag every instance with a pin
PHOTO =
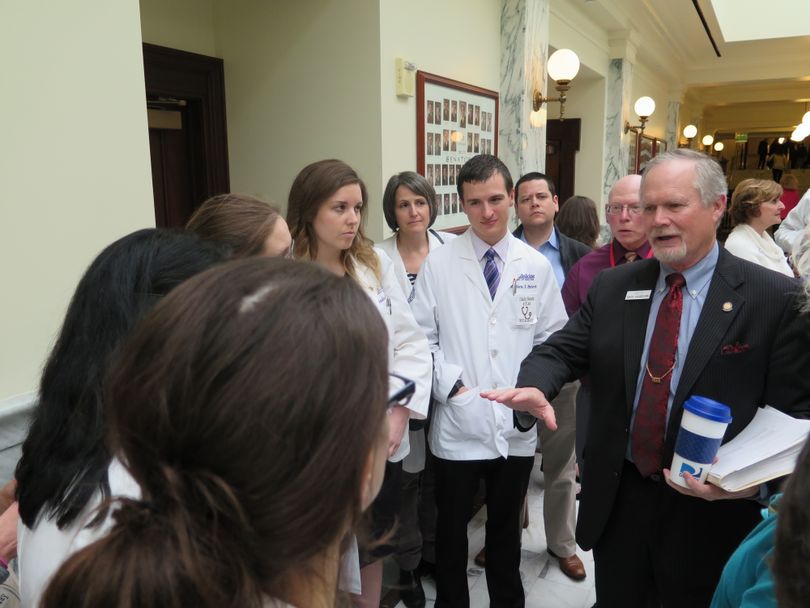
x=639, y=294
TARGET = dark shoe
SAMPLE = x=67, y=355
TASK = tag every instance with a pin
x=426, y=568
x=572, y=567
x=411, y=592
x=481, y=559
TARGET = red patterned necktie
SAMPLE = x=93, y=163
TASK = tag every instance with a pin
x=651, y=414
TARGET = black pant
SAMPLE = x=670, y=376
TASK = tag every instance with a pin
x=456, y=484
x=661, y=548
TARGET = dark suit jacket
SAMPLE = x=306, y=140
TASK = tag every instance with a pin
x=570, y=249
x=605, y=338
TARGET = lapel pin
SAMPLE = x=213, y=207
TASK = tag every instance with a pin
x=727, y=307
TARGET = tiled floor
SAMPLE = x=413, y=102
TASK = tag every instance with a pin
x=545, y=585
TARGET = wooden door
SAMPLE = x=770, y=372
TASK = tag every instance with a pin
x=562, y=145
x=189, y=163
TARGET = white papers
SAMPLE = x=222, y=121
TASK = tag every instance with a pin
x=766, y=449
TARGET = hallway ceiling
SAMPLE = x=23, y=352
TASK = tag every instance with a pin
x=673, y=42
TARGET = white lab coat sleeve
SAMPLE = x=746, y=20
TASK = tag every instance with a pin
x=425, y=309
x=411, y=352
x=551, y=315
x=792, y=229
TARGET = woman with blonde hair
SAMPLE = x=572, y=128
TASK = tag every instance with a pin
x=755, y=207
x=326, y=213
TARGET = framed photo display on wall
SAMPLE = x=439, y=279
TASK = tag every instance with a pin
x=454, y=122
x=643, y=148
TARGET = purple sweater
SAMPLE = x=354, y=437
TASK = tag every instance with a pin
x=582, y=274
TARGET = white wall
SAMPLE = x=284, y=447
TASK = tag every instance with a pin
x=187, y=25
x=459, y=39
x=75, y=162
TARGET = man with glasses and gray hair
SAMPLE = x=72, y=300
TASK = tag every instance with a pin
x=629, y=243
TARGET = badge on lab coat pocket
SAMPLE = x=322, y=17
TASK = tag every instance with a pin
x=525, y=316
x=383, y=302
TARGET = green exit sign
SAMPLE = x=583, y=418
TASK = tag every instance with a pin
x=743, y=137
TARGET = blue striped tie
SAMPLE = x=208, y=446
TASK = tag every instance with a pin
x=491, y=274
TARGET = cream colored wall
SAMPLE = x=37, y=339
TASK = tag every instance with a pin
x=752, y=117
x=645, y=82
x=587, y=102
x=459, y=39
x=187, y=25
x=569, y=28
x=75, y=162
x=302, y=84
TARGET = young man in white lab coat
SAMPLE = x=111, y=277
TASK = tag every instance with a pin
x=484, y=300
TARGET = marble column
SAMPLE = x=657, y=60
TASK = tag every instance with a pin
x=671, y=136
x=524, y=49
x=617, y=106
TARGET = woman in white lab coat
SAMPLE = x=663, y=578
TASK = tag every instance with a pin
x=410, y=209
x=325, y=214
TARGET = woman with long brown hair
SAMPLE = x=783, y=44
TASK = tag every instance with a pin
x=228, y=408
x=326, y=213
x=246, y=225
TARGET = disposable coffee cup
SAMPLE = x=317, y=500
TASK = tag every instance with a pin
x=703, y=425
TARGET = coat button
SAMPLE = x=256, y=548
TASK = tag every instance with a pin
x=493, y=321
x=494, y=353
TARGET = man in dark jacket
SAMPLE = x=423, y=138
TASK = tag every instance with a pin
x=536, y=203
x=720, y=327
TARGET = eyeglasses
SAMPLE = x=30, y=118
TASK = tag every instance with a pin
x=612, y=209
x=290, y=253
x=400, y=390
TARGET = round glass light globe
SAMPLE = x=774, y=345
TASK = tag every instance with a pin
x=707, y=140
x=800, y=132
x=718, y=147
x=644, y=106
x=689, y=131
x=563, y=65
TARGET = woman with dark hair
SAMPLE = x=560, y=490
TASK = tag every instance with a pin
x=755, y=207
x=228, y=407
x=326, y=213
x=410, y=208
x=65, y=470
x=246, y=225
x=579, y=220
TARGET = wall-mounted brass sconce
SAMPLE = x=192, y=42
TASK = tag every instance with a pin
x=707, y=141
x=563, y=65
x=644, y=107
x=689, y=132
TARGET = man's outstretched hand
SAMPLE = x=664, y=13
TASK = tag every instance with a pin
x=527, y=399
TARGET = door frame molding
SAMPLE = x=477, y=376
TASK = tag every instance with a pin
x=173, y=73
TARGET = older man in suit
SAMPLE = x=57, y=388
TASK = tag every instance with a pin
x=652, y=334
